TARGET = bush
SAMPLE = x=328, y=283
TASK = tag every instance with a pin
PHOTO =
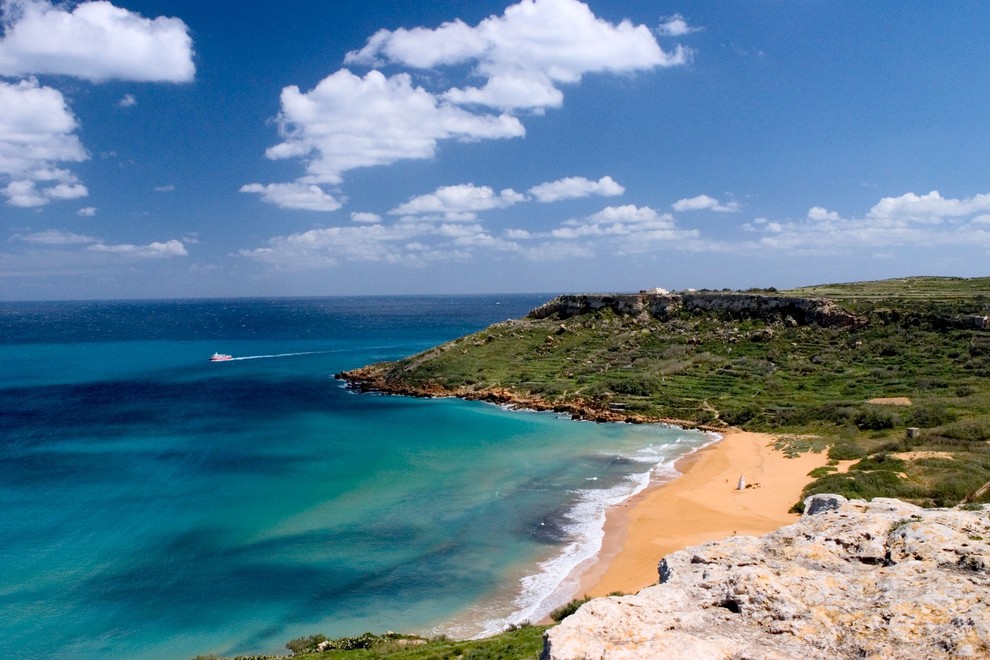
x=846, y=451
x=875, y=419
x=881, y=461
x=968, y=430
x=302, y=645
x=927, y=417
x=570, y=608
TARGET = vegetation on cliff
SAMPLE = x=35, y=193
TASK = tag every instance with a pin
x=828, y=361
x=519, y=642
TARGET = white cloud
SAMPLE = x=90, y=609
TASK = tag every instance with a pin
x=58, y=237
x=676, y=26
x=524, y=53
x=408, y=242
x=820, y=214
x=908, y=220
x=54, y=237
x=418, y=240
x=127, y=101
x=96, y=41
x=704, y=203
x=362, y=216
x=172, y=248
x=630, y=229
x=86, y=212
x=296, y=196
x=575, y=187
x=631, y=213
x=66, y=191
x=37, y=130
x=166, y=188
x=347, y=122
x=460, y=202
x=329, y=246
x=927, y=208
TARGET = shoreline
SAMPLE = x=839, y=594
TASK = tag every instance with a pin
x=702, y=504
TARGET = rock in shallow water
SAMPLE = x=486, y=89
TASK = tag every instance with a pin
x=883, y=579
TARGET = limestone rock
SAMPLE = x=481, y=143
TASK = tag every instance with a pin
x=851, y=579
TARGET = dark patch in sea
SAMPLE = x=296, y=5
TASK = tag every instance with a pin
x=551, y=529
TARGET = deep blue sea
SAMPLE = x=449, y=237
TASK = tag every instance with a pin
x=157, y=505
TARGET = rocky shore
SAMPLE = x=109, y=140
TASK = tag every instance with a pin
x=378, y=378
x=851, y=579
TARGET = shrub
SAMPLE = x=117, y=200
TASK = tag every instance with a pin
x=881, y=461
x=968, y=430
x=875, y=419
x=302, y=645
x=927, y=417
x=570, y=608
x=846, y=451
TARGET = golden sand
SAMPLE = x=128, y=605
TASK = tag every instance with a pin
x=703, y=504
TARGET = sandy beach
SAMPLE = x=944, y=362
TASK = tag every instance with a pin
x=702, y=505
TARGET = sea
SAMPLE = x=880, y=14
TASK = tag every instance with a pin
x=155, y=504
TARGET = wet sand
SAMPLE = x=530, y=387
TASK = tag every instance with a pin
x=702, y=505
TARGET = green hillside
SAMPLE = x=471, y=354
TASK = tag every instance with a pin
x=916, y=340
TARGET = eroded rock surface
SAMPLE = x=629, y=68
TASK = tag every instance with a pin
x=853, y=579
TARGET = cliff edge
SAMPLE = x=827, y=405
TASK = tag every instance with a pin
x=851, y=579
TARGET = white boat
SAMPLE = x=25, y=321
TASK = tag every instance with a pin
x=220, y=357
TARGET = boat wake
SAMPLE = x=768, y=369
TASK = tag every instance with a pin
x=275, y=355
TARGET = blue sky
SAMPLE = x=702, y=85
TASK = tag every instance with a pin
x=187, y=149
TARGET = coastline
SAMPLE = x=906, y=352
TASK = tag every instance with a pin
x=703, y=504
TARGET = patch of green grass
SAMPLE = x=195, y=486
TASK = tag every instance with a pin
x=519, y=643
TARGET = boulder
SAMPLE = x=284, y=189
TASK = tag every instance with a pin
x=851, y=579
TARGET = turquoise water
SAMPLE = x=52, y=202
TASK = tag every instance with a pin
x=157, y=505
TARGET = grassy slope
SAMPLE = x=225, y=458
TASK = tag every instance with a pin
x=523, y=643
x=769, y=375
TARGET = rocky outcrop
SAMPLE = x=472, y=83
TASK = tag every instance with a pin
x=851, y=579
x=770, y=307
x=379, y=378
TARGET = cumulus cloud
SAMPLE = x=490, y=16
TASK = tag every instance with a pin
x=127, y=101
x=321, y=248
x=58, y=237
x=908, y=220
x=172, y=248
x=676, y=26
x=37, y=130
x=928, y=208
x=86, y=212
x=821, y=214
x=629, y=228
x=364, y=216
x=459, y=202
x=348, y=121
x=704, y=203
x=575, y=187
x=95, y=41
x=525, y=53
x=294, y=196
x=417, y=240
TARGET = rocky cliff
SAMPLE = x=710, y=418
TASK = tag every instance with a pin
x=770, y=307
x=851, y=579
